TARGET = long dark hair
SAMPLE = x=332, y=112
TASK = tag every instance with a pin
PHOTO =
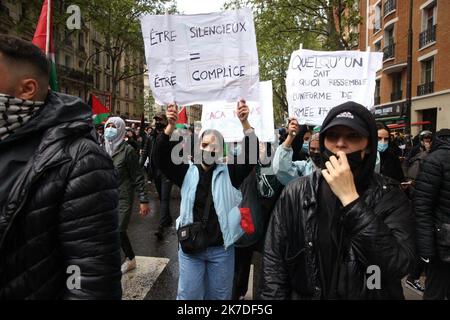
x=383, y=126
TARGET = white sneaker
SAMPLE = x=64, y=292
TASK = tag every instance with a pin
x=128, y=265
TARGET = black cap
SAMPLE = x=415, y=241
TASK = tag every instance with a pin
x=160, y=115
x=348, y=119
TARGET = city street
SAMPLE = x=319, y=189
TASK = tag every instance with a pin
x=156, y=276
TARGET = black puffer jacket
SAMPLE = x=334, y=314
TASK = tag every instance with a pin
x=432, y=201
x=61, y=212
x=378, y=230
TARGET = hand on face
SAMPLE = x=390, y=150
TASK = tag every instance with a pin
x=340, y=178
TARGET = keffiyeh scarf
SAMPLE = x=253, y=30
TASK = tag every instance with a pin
x=14, y=113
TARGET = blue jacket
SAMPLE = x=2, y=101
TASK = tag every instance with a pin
x=285, y=169
x=226, y=199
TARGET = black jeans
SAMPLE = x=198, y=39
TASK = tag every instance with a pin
x=243, y=257
x=437, y=283
x=164, y=188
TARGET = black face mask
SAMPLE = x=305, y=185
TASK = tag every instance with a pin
x=317, y=159
x=208, y=157
x=354, y=159
x=159, y=126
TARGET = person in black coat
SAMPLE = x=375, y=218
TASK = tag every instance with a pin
x=344, y=232
x=432, y=207
x=389, y=164
x=59, y=234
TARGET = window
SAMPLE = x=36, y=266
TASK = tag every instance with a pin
x=377, y=91
x=127, y=108
x=377, y=22
x=68, y=61
x=378, y=46
x=428, y=34
x=97, y=56
x=81, y=41
x=389, y=44
x=80, y=64
x=118, y=107
x=108, y=62
x=427, y=71
x=108, y=83
x=127, y=91
x=427, y=85
x=97, y=79
x=396, y=87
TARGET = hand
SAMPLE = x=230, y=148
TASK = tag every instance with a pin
x=242, y=113
x=293, y=127
x=340, y=178
x=172, y=118
x=144, y=209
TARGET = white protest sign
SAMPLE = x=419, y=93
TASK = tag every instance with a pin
x=205, y=57
x=317, y=81
x=222, y=117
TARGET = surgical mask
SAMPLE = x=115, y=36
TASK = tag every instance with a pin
x=382, y=147
x=110, y=133
x=305, y=147
x=208, y=157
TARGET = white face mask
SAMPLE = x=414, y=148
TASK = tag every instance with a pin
x=14, y=113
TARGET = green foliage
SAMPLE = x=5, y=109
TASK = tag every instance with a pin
x=282, y=25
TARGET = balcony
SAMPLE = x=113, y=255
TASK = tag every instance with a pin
x=389, y=51
x=427, y=36
x=396, y=95
x=74, y=74
x=389, y=5
x=425, y=88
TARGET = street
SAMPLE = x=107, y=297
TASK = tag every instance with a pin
x=156, y=275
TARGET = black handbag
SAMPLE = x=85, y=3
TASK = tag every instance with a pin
x=193, y=237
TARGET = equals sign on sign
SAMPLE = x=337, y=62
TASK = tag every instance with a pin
x=195, y=56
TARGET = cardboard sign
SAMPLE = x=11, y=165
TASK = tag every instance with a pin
x=317, y=81
x=205, y=57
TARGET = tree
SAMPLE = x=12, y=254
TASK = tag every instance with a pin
x=281, y=25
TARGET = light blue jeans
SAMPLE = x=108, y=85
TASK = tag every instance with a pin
x=207, y=275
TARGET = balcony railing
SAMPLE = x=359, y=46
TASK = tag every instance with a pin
x=425, y=88
x=389, y=51
x=389, y=5
x=75, y=74
x=396, y=95
x=427, y=36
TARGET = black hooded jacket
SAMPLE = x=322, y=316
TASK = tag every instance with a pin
x=377, y=230
x=432, y=201
x=59, y=216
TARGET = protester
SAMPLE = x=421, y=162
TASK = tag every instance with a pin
x=210, y=196
x=100, y=134
x=260, y=190
x=58, y=189
x=330, y=228
x=162, y=183
x=432, y=207
x=283, y=165
x=131, y=178
x=131, y=138
x=388, y=163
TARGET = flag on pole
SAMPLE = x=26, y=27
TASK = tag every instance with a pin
x=182, y=118
x=99, y=111
x=43, y=38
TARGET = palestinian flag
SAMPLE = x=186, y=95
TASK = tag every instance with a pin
x=99, y=111
x=182, y=118
x=43, y=38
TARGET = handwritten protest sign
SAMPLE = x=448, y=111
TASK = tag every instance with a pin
x=205, y=57
x=222, y=116
x=318, y=81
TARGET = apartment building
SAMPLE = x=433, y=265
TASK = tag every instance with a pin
x=385, y=29
x=82, y=64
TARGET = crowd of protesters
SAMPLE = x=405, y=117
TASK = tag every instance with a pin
x=316, y=209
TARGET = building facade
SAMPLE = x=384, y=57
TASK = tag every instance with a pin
x=385, y=29
x=83, y=67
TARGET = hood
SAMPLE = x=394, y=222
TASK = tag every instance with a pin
x=370, y=124
x=58, y=109
x=441, y=140
x=112, y=146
